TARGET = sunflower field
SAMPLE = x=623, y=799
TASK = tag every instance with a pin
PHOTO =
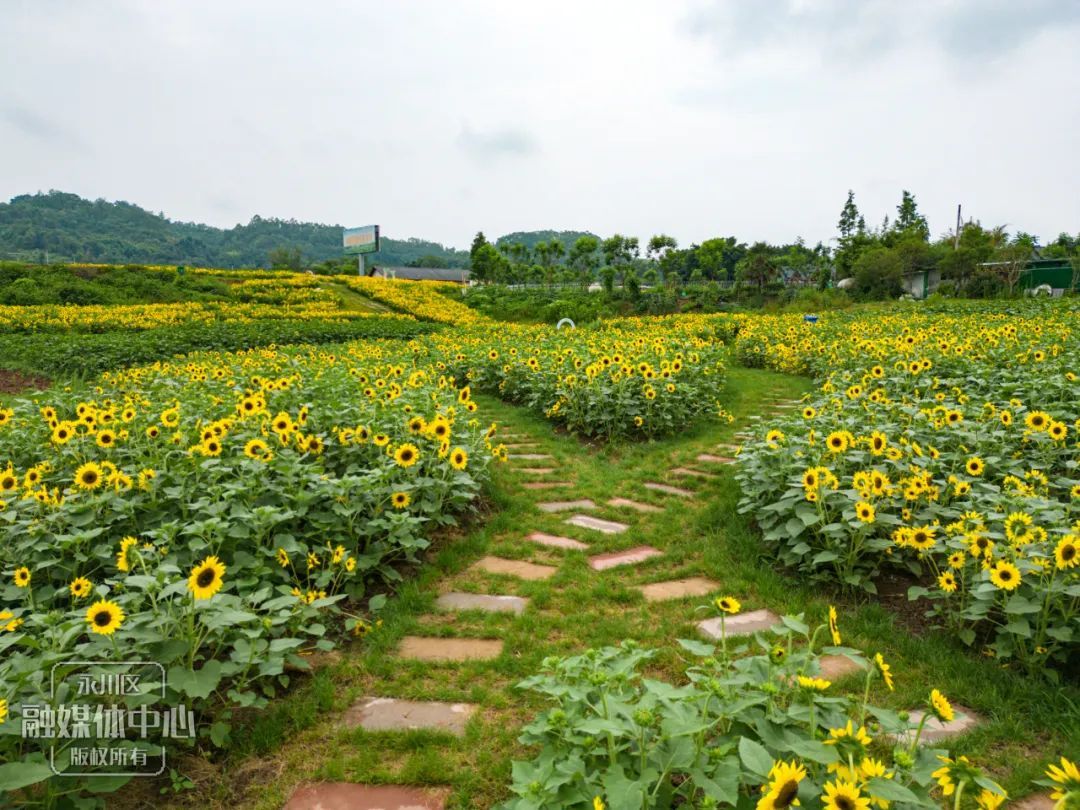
x=222, y=513
x=641, y=377
x=940, y=443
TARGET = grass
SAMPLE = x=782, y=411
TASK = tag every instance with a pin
x=1028, y=720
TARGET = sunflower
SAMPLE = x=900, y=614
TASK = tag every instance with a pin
x=989, y=799
x=22, y=577
x=89, y=476
x=954, y=772
x=257, y=449
x=1037, y=420
x=940, y=706
x=1067, y=552
x=1066, y=779
x=598, y=803
x=401, y=500
x=834, y=629
x=841, y=795
x=170, y=417
x=975, y=466
x=865, y=512
x=282, y=558
x=947, y=582
x=206, y=578
x=1005, y=575
x=923, y=538
x=728, y=604
x=884, y=670
x=153, y=432
x=814, y=684
x=210, y=447
x=380, y=440
x=1057, y=431
x=837, y=442
x=782, y=791
x=1006, y=418
x=809, y=412
x=104, y=617
x=3, y=709
x=406, y=455
x=458, y=458
x=80, y=587
x=105, y=438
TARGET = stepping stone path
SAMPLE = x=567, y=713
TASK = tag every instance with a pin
x=935, y=731
x=546, y=484
x=388, y=714
x=514, y=568
x=605, y=526
x=835, y=667
x=667, y=489
x=741, y=624
x=725, y=446
x=635, y=505
x=347, y=796
x=686, y=471
x=520, y=445
x=530, y=456
x=1039, y=801
x=534, y=470
x=678, y=589
x=424, y=648
x=481, y=601
x=602, y=562
x=555, y=541
x=709, y=458
x=566, y=506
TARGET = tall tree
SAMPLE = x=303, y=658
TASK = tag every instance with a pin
x=909, y=221
x=849, y=217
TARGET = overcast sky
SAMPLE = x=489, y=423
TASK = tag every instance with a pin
x=435, y=119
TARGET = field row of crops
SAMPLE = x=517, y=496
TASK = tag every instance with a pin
x=943, y=444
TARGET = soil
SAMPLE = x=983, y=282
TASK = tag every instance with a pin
x=16, y=382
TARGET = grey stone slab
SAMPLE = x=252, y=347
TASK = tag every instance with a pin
x=491, y=603
x=424, y=648
x=350, y=796
x=513, y=568
x=667, y=489
x=566, y=506
x=835, y=667
x=555, y=541
x=390, y=714
x=741, y=624
x=632, y=556
x=637, y=506
x=534, y=470
x=530, y=456
x=596, y=524
x=521, y=445
x=678, y=589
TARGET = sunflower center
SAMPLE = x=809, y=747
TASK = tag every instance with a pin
x=102, y=618
x=206, y=578
x=786, y=795
x=844, y=803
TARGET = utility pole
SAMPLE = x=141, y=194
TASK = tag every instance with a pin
x=956, y=241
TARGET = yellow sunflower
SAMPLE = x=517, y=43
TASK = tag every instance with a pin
x=728, y=604
x=22, y=577
x=401, y=500
x=1005, y=575
x=89, y=476
x=940, y=706
x=206, y=578
x=458, y=458
x=841, y=795
x=406, y=455
x=104, y=617
x=1067, y=552
x=80, y=587
x=782, y=790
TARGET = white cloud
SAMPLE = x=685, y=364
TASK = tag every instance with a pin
x=440, y=119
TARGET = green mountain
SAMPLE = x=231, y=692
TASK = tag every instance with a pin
x=530, y=238
x=65, y=227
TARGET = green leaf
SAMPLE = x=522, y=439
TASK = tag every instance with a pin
x=895, y=792
x=198, y=683
x=17, y=775
x=755, y=757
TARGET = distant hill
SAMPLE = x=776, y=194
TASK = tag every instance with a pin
x=530, y=238
x=66, y=227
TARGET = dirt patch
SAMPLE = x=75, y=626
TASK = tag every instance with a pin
x=892, y=593
x=16, y=382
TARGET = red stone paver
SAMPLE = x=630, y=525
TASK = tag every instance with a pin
x=566, y=506
x=390, y=714
x=709, y=458
x=632, y=556
x=349, y=796
x=425, y=648
x=935, y=731
x=667, y=489
x=835, y=667
x=546, y=484
x=513, y=568
x=555, y=541
x=637, y=506
x=741, y=624
x=678, y=589
x=596, y=524
x=1036, y=801
x=491, y=603
x=689, y=472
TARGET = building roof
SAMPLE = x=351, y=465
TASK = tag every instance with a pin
x=456, y=274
